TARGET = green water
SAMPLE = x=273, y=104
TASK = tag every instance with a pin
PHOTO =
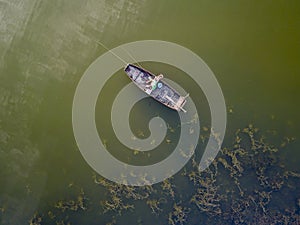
x=45, y=46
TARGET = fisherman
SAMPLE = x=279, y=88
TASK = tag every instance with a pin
x=153, y=82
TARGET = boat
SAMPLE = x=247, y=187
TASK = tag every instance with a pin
x=155, y=87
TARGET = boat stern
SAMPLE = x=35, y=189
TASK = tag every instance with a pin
x=180, y=104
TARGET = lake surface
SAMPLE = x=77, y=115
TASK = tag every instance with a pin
x=253, y=48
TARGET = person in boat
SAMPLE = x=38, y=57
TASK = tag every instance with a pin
x=153, y=82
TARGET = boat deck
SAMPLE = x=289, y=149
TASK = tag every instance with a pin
x=162, y=93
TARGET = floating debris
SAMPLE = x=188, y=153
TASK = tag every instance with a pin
x=141, y=134
x=168, y=187
x=154, y=205
x=178, y=216
x=206, y=197
x=51, y=215
x=286, y=141
x=168, y=141
x=115, y=204
x=73, y=205
x=35, y=220
x=170, y=128
x=221, y=194
x=62, y=222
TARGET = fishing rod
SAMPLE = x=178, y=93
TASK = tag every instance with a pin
x=112, y=52
x=127, y=52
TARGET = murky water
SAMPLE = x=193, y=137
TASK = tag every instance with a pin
x=45, y=47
